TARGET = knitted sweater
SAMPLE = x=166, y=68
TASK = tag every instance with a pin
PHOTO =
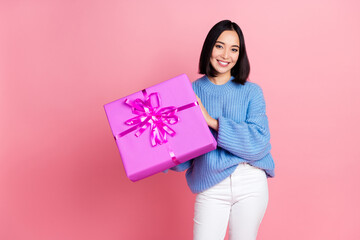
x=243, y=135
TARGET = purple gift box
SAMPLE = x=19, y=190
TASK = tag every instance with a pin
x=159, y=127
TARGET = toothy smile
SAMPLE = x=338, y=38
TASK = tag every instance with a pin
x=224, y=64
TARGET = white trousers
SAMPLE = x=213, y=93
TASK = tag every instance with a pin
x=240, y=200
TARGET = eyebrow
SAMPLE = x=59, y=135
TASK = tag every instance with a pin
x=224, y=44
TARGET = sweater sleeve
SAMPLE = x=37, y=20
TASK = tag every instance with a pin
x=250, y=139
x=182, y=166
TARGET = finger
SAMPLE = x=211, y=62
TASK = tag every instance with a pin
x=198, y=99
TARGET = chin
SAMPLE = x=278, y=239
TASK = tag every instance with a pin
x=223, y=71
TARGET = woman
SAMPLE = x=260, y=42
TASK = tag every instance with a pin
x=231, y=181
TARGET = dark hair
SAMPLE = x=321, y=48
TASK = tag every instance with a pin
x=241, y=70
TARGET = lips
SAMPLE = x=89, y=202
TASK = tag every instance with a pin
x=222, y=63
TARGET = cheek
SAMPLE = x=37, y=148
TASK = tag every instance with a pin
x=213, y=62
x=213, y=53
x=213, y=57
x=235, y=58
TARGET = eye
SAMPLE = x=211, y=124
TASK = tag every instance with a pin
x=218, y=46
x=234, y=50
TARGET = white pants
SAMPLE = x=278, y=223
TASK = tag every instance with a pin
x=240, y=200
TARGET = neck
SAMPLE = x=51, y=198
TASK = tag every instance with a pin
x=221, y=79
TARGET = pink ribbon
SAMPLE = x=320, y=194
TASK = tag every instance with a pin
x=149, y=114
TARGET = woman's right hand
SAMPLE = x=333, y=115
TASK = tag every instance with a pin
x=211, y=122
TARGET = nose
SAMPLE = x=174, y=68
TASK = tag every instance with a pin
x=225, y=53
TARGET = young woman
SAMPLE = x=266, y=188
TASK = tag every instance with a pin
x=231, y=181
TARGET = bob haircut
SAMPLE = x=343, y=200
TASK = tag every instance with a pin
x=241, y=70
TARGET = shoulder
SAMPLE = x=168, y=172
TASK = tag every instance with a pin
x=256, y=96
x=253, y=86
x=254, y=89
x=198, y=82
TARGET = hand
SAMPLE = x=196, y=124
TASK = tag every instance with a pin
x=211, y=122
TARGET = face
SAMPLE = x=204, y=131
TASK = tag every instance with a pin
x=225, y=52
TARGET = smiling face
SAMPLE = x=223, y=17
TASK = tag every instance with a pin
x=225, y=53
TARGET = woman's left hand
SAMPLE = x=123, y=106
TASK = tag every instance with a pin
x=211, y=122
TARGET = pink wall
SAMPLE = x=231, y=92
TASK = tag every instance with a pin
x=60, y=173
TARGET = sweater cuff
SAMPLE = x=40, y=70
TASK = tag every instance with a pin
x=223, y=132
x=182, y=166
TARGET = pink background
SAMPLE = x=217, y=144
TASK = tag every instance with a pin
x=61, y=176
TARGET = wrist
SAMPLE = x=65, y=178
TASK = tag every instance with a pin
x=213, y=123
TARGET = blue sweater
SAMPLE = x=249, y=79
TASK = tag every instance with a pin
x=243, y=134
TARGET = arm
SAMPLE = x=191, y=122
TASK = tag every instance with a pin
x=250, y=139
x=182, y=166
x=211, y=122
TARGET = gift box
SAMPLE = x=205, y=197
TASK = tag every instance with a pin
x=159, y=127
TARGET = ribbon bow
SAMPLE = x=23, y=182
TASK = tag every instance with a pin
x=149, y=114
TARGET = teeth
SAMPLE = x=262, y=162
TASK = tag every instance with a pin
x=223, y=63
